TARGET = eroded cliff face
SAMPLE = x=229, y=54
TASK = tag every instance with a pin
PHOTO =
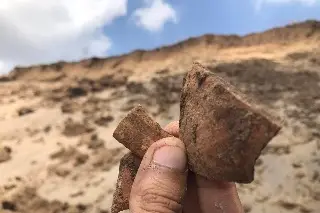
x=56, y=147
x=204, y=48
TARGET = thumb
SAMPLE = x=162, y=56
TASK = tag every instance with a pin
x=160, y=183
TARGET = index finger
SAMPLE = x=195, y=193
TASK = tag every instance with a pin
x=173, y=128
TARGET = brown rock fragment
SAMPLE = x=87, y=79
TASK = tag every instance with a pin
x=137, y=131
x=5, y=153
x=81, y=158
x=70, y=106
x=223, y=131
x=104, y=120
x=59, y=170
x=24, y=111
x=74, y=92
x=247, y=207
x=73, y=128
x=129, y=165
x=92, y=141
x=287, y=204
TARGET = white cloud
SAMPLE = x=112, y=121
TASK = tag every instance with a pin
x=45, y=31
x=154, y=15
x=259, y=3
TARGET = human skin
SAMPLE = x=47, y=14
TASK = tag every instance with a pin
x=163, y=183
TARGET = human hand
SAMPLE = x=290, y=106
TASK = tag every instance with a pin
x=164, y=185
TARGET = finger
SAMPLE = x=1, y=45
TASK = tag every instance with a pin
x=160, y=183
x=173, y=128
x=211, y=196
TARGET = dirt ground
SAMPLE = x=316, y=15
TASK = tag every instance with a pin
x=57, y=153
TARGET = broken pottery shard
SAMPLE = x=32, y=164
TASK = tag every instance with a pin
x=137, y=131
x=223, y=131
x=129, y=165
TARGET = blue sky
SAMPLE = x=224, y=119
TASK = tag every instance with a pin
x=47, y=31
x=204, y=16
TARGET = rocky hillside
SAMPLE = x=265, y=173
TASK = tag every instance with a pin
x=57, y=153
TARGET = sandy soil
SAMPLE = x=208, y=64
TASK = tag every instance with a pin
x=57, y=153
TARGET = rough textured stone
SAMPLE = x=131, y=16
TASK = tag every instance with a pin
x=24, y=111
x=129, y=165
x=224, y=132
x=5, y=153
x=137, y=131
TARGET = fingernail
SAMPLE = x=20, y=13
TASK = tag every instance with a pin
x=171, y=156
